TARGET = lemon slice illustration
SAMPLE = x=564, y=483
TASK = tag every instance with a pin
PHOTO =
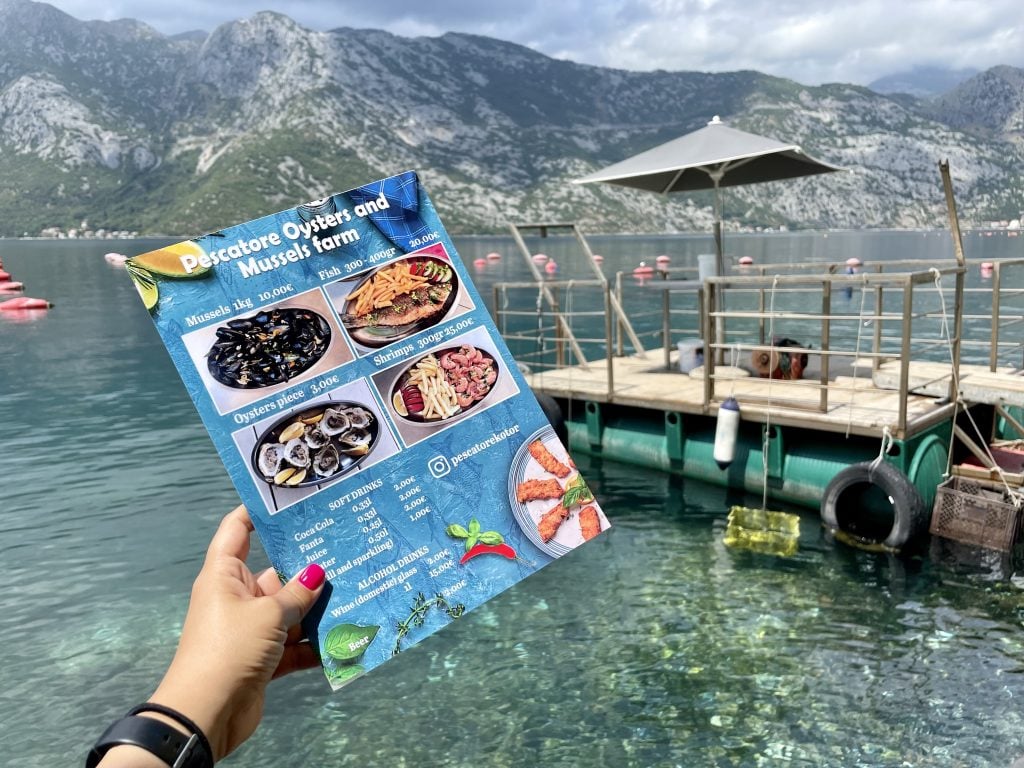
x=145, y=284
x=167, y=261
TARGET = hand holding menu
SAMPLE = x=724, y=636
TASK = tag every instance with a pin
x=368, y=413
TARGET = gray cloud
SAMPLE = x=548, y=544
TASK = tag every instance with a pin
x=811, y=42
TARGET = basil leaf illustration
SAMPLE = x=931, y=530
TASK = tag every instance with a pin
x=492, y=538
x=474, y=527
x=342, y=675
x=576, y=492
x=457, y=531
x=346, y=642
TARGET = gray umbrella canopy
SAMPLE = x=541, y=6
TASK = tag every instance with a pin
x=709, y=158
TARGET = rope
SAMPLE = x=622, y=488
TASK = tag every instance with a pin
x=572, y=363
x=734, y=361
x=540, y=326
x=856, y=354
x=883, y=450
x=1016, y=496
x=768, y=412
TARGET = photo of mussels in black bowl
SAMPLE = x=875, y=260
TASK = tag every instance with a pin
x=268, y=348
x=315, y=445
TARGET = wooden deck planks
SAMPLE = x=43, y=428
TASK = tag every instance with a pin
x=977, y=383
x=855, y=404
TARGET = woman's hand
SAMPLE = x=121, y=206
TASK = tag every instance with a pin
x=241, y=631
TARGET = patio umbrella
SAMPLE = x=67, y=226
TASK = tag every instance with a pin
x=710, y=158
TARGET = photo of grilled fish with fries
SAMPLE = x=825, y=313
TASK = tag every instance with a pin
x=399, y=299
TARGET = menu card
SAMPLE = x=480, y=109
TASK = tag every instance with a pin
x=369, y=414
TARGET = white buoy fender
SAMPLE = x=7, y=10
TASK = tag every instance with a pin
x=725, y=432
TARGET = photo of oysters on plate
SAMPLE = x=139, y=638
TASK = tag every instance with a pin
x=315, y=445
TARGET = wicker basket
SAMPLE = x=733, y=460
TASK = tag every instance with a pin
x=975, y=512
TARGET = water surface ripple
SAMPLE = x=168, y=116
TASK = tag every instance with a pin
x=653, y=646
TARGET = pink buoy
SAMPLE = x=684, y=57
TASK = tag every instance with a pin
x=540, y=258
x=643, y=269
x=853, y=261
x=13, y=305
x=746, y=261
x=551, y=267
x=5, y=276
x=479, y=263
x=987, y=265
x=11, y=285
x=663, y=259
x=117, y=259
x=494, y=256
x=598, y=258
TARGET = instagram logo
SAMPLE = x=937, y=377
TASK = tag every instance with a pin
x=439, y=466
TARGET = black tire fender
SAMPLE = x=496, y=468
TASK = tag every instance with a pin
x=910, y=518
x=553, y=412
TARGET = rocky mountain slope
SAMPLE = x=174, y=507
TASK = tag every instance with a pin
x=121, y=126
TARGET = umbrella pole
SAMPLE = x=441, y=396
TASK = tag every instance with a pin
x=719, y=246
x=719, y=266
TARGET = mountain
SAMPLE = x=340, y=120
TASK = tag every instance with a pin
x=922, y=82
x=116, y=124
x=989, y=104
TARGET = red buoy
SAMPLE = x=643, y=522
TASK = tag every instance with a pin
x=4, y=276
x=11, y=285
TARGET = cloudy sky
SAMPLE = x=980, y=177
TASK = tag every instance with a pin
x=811, y=41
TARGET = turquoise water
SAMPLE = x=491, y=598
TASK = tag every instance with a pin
x=653, y=646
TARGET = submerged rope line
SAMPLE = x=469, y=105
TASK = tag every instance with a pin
x=768, y=412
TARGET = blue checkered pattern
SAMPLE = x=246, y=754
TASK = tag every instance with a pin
x=401, y=222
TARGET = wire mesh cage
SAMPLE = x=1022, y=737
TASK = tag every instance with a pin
x=975, y=512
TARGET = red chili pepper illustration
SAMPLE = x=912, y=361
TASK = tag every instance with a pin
x=489, y=549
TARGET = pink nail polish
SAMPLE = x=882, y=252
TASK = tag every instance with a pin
x=312, y=576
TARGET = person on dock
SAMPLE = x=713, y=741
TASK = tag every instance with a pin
x=241, y=631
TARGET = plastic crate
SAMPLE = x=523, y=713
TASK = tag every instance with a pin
x=975, y=512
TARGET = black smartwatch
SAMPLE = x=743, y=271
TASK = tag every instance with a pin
x=175, y=748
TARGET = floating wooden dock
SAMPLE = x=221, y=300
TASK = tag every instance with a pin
x=885, y=378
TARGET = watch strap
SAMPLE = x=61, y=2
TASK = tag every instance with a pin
x=175, y=748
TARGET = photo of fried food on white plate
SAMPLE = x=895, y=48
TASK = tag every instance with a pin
x=549, y=499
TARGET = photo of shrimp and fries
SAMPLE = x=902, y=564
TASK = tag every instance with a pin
x=444, y=384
